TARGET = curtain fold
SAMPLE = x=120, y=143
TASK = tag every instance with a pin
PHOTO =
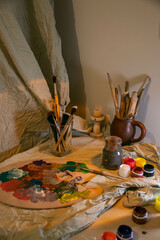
x=30, y=54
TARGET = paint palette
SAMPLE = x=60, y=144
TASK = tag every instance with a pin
x=46, y=184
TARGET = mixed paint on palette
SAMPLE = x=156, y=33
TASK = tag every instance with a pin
x=40, y=181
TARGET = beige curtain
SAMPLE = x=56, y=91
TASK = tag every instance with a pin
x=30, y=54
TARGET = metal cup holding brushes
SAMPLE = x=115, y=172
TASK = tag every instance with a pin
x=61, y=140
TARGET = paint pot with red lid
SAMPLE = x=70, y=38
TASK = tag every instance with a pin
x=124, y=232
x=140, y=215
x=130, y=162
x=137, y=172
x=108, y=236
x=148, y=170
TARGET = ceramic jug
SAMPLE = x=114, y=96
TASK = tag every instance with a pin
x=126, y=129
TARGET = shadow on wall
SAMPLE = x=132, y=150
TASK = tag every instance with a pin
x=65, y=25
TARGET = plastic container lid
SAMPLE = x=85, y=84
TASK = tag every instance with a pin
x=130, y=162
x=124, y=170
x=140, y=215
x=108, y=236
x=140, y=162
x=157, y=203
x=124, y=232
x=148, y=170
x=137, y=172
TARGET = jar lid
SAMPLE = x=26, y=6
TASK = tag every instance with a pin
x=130, y=162
x=140, y=162
x=124, y=170
x=108, y=235
x=149, y=168
x=157, y=203
x=140, y=212
x=124, y=232
x=140, y=215
x=137, y=171
x=113, y=139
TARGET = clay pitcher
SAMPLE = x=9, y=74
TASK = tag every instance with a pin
x=126, y=129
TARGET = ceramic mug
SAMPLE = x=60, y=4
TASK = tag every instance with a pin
x=126, y=129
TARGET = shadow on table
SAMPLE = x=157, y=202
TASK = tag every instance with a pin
x=97, y=160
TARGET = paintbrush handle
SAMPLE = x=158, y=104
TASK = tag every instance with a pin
x=64, y=130
x=100, y=173
x=144, y=84
x=57, y=107
x=126, y=86
x=133, y=103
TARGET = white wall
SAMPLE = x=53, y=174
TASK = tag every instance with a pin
x=119, y=37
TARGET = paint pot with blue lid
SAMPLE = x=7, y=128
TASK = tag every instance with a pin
x=124, y=232
x=148, y=170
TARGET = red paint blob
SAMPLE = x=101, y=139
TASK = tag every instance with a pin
x=12, y=185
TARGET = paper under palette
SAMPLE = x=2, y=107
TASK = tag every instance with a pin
x=46, y=184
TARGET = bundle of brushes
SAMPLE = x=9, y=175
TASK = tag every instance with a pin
x=126, y=105
x=60, y=125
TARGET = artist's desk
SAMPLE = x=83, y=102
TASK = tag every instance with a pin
x=19, y=224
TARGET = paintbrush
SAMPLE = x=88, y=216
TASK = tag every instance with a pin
x=55, y=128
x=66, y=126
x=56, y=98
x=99, y=173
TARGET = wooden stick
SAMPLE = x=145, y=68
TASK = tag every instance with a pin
x=117, y=95
x=123, y=104
x=144, y=84
x=113, y=95
x=140, y=93
x=126, y=86
x=132, y=105
x=138, y=103
x=128, y=101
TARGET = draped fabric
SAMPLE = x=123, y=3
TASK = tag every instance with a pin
x=30, y=54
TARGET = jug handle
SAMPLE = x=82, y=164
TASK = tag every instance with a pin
x=143, y=131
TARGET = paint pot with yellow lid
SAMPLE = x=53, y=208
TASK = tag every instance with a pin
x=140, y=162
x=157, y=203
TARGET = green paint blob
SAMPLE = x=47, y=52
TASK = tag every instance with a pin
x=73, y=167
x=14, y=173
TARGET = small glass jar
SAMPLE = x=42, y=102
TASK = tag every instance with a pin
x=112, y=153
x=148, y=170
x=140, y=215
x=124, y=232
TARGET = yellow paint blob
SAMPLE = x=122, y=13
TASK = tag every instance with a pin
x=68, y=197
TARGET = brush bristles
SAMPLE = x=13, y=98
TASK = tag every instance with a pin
x=54, y=79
